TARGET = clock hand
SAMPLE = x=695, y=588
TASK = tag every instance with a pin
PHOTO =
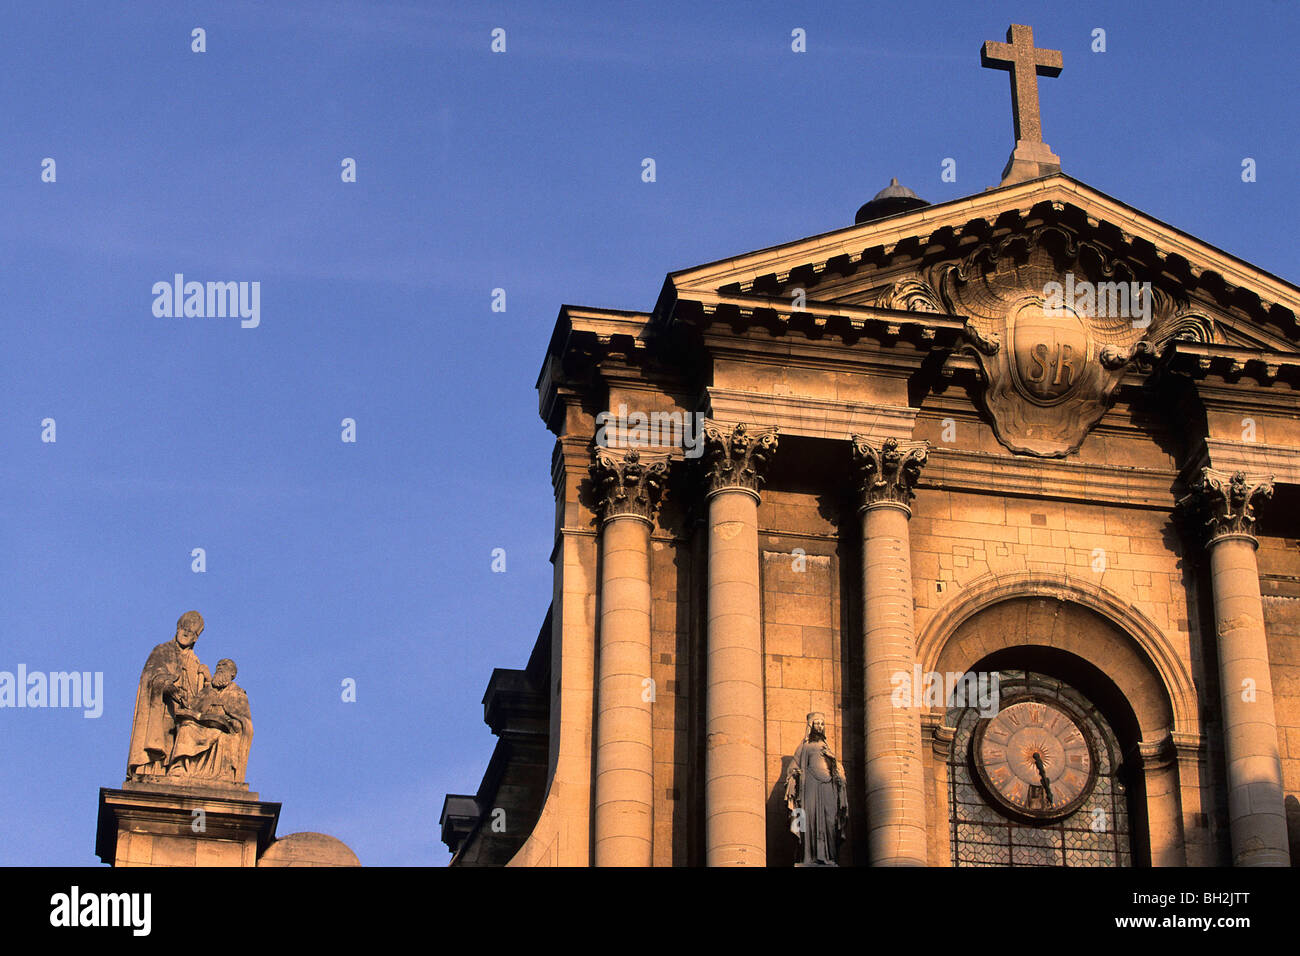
x=1042, y=774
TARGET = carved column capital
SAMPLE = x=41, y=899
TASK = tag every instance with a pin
x=627, y=485
x=1225, y=502
x=888, y=470
x=737, y=457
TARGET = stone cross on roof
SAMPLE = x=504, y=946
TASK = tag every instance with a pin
x=1032, y=157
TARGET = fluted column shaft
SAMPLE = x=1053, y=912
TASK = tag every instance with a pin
x=1256, y=812
x=735, y=787
x=624, y=754
x=895, y=775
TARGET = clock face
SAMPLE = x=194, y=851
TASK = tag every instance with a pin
x=1034, y=759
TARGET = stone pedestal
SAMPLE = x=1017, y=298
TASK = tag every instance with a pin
x=145, y=824
x=1030, y=160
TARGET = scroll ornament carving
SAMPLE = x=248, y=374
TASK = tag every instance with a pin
x=910, y=295
x=1056, y=322
x=987, y=343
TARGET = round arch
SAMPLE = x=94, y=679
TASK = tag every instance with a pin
x=1079, y=618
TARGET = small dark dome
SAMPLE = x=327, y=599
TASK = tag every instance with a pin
x=890, y=201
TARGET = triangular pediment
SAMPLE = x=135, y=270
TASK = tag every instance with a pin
x=874, y=265
x=1054, y=291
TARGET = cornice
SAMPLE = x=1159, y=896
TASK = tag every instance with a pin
x=1229, y=363
x=592, y=335
x=925, y=329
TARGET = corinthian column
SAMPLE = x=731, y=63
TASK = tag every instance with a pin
x=1256, y=814
x=735, y=788
x=628, y=491
x=895, y=777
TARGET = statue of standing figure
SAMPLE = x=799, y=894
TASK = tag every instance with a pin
x=816, y=795
x=189, y=723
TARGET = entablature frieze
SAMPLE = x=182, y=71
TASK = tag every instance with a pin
x=954, y=469
x=1282, y=462
x=951, y=469
x=809, y=417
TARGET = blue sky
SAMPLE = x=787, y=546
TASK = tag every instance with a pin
x=372, y=560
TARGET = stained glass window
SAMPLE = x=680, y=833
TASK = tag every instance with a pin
x=1096, y=834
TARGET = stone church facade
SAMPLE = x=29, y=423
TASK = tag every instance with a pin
x=1032, y=436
